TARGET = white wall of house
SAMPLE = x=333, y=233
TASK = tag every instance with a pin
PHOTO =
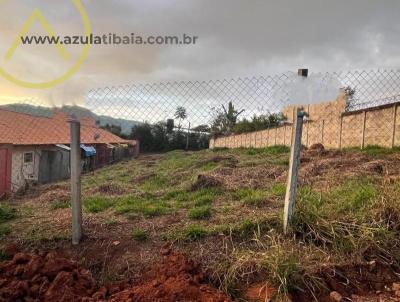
x=25, y=166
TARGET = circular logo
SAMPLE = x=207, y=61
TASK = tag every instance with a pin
x=82, y=57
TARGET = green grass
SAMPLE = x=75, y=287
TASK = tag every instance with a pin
x=149, y=207
x=209, y=166
x=97, y=204
x=252, y=197
x=186, y=199
x=4, y=256
x=374, y=150
x=6, y=213
x=202, y=212
x=247, y=227
x=189, y=233
x=273, y=150
x=278, y=190
x=140, y=235
x=4, y=230
x=155, y=183
x=60, y=204
x=344, y=218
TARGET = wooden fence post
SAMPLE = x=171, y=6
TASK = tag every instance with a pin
x=293, y=170
x=76, y=180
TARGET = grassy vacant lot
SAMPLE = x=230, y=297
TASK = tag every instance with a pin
x=224, y=208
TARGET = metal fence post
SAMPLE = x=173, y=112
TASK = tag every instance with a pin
x=290, y=197
x=76, y=181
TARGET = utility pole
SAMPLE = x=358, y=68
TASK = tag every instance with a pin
x=75, y=161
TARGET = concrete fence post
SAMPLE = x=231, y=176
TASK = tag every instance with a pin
x=394, y=125
x=187, y=138
x=340, y=131
x=294, y=163
x=363, y=129
x=76, y=181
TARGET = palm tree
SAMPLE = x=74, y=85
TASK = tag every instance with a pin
x=180, y=114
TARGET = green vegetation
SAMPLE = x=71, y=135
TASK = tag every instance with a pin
x=254, y=197
x=278, y=190
x=273, y=150
x=141, y=205
x=189, y=233
x=374, y=150
x=341, y=215
x=140, y=235
x=60, y=204
x=202, y=212
x=6, y=213
x=97, y=204
x=4, y=230
x=345, y=218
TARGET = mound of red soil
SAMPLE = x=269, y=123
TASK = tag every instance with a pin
x=47, y=277
x=177, y=279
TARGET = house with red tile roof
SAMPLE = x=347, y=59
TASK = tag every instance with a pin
x=35, y=149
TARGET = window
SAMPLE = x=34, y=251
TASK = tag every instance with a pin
x=28, y=157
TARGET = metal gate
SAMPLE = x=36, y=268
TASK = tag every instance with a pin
x=5, y=170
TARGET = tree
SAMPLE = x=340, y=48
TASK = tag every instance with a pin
x=231, y=116
x=224, y=120
x=260, y=122
x=202, y=128
x=180, y=114
x=143, y=133
x=114, y=129
x=350, y=95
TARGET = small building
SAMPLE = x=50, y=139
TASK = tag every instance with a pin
x=35, y=149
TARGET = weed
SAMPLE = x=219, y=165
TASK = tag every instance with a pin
x=97, y=204
x=375, y=150
x=203, y=212
x=4, y=256
x=209, y=166
x=283, y=162
x=6, y=213
x=190, y=233
x=155, y=183
x=60, y=204
x=140, y=235
x=4, y=230
x=249, y=196
x=273, y=150
x=219, y=149
x=141, y=205
x=278, y=190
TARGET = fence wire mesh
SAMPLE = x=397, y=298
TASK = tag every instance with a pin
x=345, y=109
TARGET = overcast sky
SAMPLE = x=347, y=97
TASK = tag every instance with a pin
x=237, y=38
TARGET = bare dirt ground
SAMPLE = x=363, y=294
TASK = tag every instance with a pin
x=223, y=210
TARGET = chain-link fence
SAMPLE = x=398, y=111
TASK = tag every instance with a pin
x=345, y=109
